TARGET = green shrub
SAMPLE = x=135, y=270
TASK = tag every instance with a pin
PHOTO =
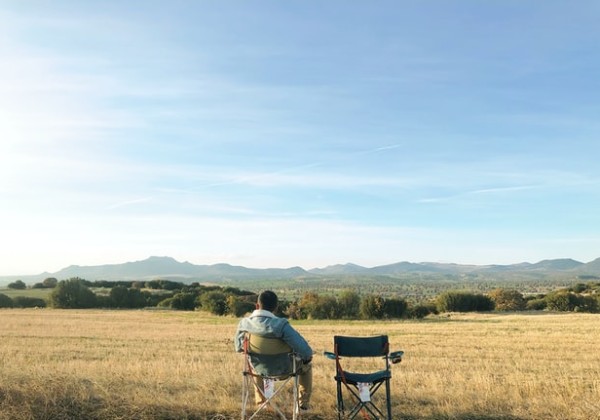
x=394, y=308
x=72, y=294
x=182, y=301
x=464, y=302
x=5, y=301
x=214, y=302
x=28, y=302
x=372, y=307
x=349, y=304
x=537, y=304
x=507, y=300
x=238, y=307
x=562, y=300
x=17, y=285
x=419, y=311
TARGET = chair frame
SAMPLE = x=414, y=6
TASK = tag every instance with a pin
x=250, y=383
x=376, y=346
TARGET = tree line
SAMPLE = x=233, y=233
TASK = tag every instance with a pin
x=77, y=293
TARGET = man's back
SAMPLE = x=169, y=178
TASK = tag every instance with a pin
x=263, y=323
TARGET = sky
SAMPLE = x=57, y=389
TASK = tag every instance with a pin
x=298, y=133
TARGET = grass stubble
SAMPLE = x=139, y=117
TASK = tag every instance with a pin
x=93, y=364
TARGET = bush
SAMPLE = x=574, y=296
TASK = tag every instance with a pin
x=562, y=300
x=72, y=294
x=372, y=307
x=579, y=288
x=308, y=305
x=28, y=302
x=419, y=311
x=326, y=308
x=588, y=303
x=119, y=297
x=5, y=301
x=464, y=302
x=183, y=301
x=349, y=304
x=123, y=297
x=238, y=307
x=50, y=282
x=17, y=285
x=507, y=300
x=567, y=301
x=137, y=298
x=214, y=302
x=164, y=285
x=315, y=306
x=394, y=308
x=537, y=304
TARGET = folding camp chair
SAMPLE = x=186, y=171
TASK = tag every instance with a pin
x=269, y=366
x=361, y=387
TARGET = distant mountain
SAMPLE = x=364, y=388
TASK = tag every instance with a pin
x=494, y=268
x=169, y=268
x=593, y=267
x=558, y=265
x=405, y=267
x=338, y=269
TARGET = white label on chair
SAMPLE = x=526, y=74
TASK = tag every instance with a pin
x=268, y=387
x=364, y=391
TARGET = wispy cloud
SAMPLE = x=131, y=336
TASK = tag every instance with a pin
x=483, y=191
x=499, y=190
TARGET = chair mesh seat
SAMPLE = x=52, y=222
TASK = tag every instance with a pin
x=373, y=377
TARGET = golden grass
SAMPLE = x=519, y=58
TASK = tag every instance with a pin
x=65, y=364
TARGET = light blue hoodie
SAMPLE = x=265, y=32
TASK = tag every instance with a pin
x=265, y=324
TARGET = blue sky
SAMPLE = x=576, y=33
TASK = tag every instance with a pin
x=276, y=134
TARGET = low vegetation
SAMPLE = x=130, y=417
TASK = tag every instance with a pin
x=76, y=293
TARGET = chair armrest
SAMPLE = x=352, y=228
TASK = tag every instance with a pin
x=396, y=356
x=329, y=355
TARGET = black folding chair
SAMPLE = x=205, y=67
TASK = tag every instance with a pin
x=269, y=365
x=361, y=387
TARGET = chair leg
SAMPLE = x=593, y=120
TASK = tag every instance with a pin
x=246, y=385
x=388, y=399
x=340, y=401
x=296, y=399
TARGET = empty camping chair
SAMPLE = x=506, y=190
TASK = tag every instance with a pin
x=360, y=388
x=269, y=366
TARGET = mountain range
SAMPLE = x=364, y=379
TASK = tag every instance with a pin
x=169, y=268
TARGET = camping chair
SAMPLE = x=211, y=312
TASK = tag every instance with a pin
x=269, y=365
x=361, y=387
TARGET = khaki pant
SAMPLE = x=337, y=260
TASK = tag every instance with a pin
x=304, y=386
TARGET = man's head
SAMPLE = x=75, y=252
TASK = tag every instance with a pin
x=267, y=300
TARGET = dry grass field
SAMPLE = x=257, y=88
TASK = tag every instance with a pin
x=68, y=364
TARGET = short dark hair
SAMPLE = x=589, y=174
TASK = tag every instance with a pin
x=267, y=300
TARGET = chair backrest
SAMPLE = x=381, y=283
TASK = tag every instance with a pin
x=267, y=345
x=269, y=356
x=361, y=346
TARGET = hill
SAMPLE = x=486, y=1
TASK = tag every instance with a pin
x=169, y=268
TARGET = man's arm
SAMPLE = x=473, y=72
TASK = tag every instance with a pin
x=297, y=342
x=238, y=340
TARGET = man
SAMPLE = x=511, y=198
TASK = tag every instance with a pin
x=262, y=322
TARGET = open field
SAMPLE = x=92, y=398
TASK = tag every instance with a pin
x=35, y=293
x=63, y=364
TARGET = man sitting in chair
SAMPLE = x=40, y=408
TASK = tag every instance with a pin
x=263, y=323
